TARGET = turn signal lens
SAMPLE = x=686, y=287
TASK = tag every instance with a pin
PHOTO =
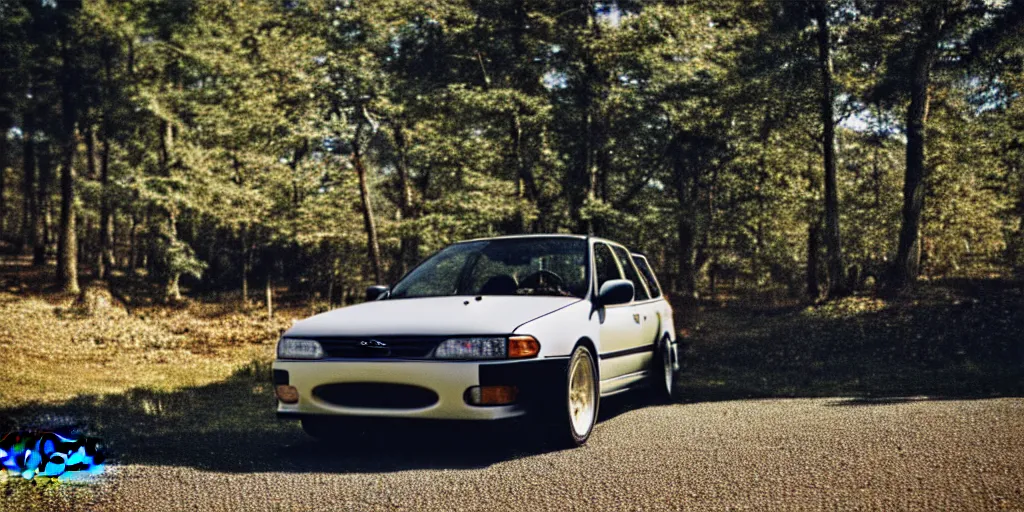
x=288, y=394
x=522, y=346
x=492, y=395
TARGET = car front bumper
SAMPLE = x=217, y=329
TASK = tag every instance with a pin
x=537, y=380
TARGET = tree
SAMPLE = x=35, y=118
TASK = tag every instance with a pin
x=212, y=143
x=67, y=243
x=929, y=31
x=836, y=271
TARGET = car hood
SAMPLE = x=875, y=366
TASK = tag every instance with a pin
x=431, y=316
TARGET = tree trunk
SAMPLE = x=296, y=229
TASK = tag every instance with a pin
x=813, y=287
x=407, y=252
x=245, y=265
x=5, y=126
x=373, y=248
x=906, y=267
x=526, y=185
x=687, y=268
x=836, y=279
x=590, y=167
x=86, y=250
x=42, y=204
x=164, y=156
x=683, y=180
x=133, y=245
x=28, y=184
x=172, y=292
x=876, y=176
x=105, y=262
x=270, y=299
x=756, y=263
x=368, y=221
x=3, y=188
x=147, y=246
x=67, y=244
x=586, y=170
x=713, y=280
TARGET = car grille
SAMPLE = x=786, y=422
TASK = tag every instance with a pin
x=374, y=395
x=385, y=347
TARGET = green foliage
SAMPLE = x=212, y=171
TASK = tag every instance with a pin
x=231, y=133
x=181, y=260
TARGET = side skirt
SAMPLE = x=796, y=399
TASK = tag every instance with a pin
x=624, y=383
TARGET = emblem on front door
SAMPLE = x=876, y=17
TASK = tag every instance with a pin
x=636, y=317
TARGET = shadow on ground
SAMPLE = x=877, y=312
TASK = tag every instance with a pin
x=954, y=340
x=957, y=338
x=231, y=426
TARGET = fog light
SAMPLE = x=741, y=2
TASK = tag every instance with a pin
x=491, y=395
x=288, y=394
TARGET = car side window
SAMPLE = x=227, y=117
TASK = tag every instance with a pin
x=639, y=290
x=605, y=267
x=648, y=274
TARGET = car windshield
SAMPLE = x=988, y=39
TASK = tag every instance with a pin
x=512, y=266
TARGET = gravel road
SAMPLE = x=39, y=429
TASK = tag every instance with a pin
x=748, y=454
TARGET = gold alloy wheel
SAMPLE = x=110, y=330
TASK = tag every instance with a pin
x=582, y=395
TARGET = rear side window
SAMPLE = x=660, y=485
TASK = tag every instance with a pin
x=605, y=267
x=639, y=290
x=645, y=270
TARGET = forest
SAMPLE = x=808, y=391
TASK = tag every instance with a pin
x=217, y=146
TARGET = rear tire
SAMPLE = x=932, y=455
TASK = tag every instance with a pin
x=573, y=419
x=663, y=372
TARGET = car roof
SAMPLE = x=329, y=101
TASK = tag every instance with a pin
x=541, y=235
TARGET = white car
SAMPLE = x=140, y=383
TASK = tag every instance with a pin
x=488, y=329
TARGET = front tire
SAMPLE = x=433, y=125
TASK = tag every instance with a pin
x=575, y=417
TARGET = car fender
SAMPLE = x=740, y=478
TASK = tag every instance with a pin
x=669, y=332
x=559, y=331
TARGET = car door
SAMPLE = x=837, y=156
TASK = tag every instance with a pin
x=658, y=306
x=644, y=310
x=618, y=329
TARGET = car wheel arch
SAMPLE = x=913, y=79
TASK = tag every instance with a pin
x=587, y=342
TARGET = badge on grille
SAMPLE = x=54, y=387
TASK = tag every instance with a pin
x=376, y=347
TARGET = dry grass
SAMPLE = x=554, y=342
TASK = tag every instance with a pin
x=140, y=366
x=52, y=352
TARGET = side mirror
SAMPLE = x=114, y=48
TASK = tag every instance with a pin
x=376, y=292
x=615, y=291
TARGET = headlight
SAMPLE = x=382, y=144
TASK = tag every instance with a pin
x=472, y=348
x=515, y=347
x=292, y=348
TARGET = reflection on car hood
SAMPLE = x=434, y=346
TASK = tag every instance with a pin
x=433, y=316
